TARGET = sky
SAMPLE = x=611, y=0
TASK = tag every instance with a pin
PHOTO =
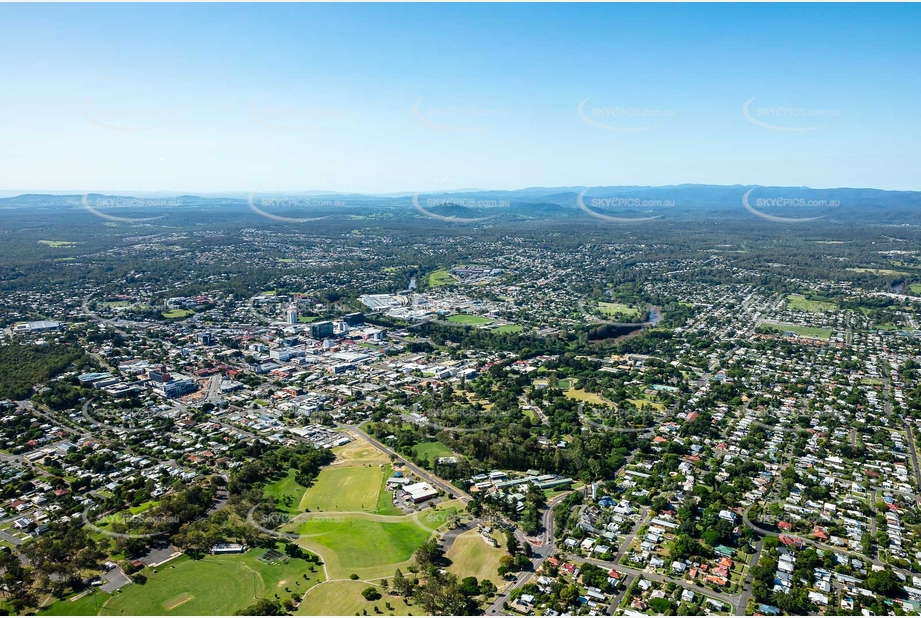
x=426, y=97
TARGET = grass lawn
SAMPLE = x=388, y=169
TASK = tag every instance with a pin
x=346, y=488
x=580, y=395
x=509, y=328
x=307, y=319
x=385, y=498
x=360, y=543
x=639, y=403
x=915, y=288
x=214, y=585
x=432, y=450
x=286, y=492
x=470, y=555
x=803, y=331
x=798, y=302
x=143, y=507
x=438, y=278
x=615, y=308
x=115, y=303
x=878, y=271
x=59, y=244
x=84, y=606
x=344, y=599
x=472, y=320
x=358, y=452
x=176, y=314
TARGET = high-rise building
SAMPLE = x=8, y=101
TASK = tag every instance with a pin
x=321, y=330
x=291, y=315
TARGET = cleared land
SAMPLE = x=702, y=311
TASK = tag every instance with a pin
x=580, y=395
x=177, y=313
x=615, y=308
x=471, y=555
x=800, y=303
x=213, y=585
x=473, y=320
x=438, y=278
x=286, y=492
x=802, y=331
x=432, y=450
x=343, y=598
x=359, y=544
x=879, y=271
x=84, y=606
x=59, y=244
x=347, y=488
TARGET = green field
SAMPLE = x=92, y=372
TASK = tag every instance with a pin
x=362, y=543
x=286, y=492
x=802, y=331
x=432, y=450
x=915, y=288
x=509, y=328
x=307, y=319
x=798, y=302
x=471, y=555
x=878, y=271
x=343, y=598
x=84, y=606
x=214, y=585
x=349, y=488
x=176, y=314
x=615, y=308
x=438, y=278
x=581, y=395
x=115, y=303
x=59, y=244
x=472, y=320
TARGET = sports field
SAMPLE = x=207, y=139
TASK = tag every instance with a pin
x=431, y=450
x=879, y=271
x=471, y=555
x=509, y=328
x=286, y=492
x=212, y=585
x=84, y=606
x=343, y=598
x=348, y=488
x=472, y=320
x=438, y=278
x=367, y=545
x=802, y=331
x=176, y=314
x=798, y=302
x=59, y=244
x=580, y=395
x=610, y=309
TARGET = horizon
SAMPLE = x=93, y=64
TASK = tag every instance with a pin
x=381, y=99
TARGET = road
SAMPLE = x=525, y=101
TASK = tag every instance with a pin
x=428, y=476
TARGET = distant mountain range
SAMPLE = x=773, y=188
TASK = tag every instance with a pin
x=615, y=203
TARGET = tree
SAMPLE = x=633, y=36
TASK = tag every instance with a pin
x=883, y=582
x=370, y=594
x=262, y=607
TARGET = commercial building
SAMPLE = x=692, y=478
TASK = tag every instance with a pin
x=321, y=330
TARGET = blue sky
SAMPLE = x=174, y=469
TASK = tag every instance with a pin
x=385, y=98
